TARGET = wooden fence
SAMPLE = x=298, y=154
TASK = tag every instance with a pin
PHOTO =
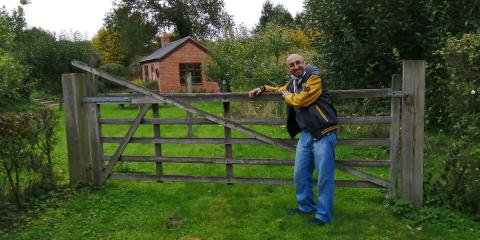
x=88, y=164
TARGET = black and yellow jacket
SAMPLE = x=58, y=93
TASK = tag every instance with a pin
x=309, y=105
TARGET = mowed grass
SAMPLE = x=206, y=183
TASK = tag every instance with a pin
x=148, y=210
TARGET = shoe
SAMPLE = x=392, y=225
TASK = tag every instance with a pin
x=296, y=211
x=316, y=222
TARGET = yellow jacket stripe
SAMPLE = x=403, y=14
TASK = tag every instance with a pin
x=275, y=89
x=326, y=130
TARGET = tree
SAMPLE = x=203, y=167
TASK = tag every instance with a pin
x=12, y=90
x=249, y=61
x=134, y=34
x=364, y=40
x=38, y=51
x=200, y=19
x=48, y=57
x=108, y=44
x=274, y=14
x=224, y=64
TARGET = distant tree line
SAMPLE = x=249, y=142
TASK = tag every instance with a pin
x=34, y=59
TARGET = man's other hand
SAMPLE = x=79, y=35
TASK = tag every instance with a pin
x=255, y=92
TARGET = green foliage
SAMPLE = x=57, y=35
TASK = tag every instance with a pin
x=48, y=56
x=274, y=14
x=130, y=31
x=361, y=41
x=445, y=218
x=11, y=82
x=36, y=48
x=224, y=63
x=13, y=90
x=354, y=43
x=248, y=61
x=460, y=85
x=33, y=57
x=7, y=34
x=135, y=70
x=115, y=69
x=200, y=19
x=457, y=184
x=153, y=85
x=107, y=43
x=27, y=140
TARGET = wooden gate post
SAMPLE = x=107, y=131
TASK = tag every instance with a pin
x=188, y=86
x=158, y=146
x=94, y=126
x=227, y=134
x=76, y=123
x=395, y=136
x=413, y=131
x=228, y=144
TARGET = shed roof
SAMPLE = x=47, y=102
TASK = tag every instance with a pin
x=169, y=48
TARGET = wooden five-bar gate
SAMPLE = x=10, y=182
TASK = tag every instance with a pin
x=88, y=164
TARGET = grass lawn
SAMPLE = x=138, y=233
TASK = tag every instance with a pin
x=149, y=210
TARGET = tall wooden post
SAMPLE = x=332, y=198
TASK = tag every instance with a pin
x=413, y=131
x=188, y=84
x=227, y=132
x=394, y=136
x=94, y=128
x=158, y=146
x=76, y=123
x=228, y=145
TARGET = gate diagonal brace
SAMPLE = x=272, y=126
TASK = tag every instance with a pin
x=125, y=140
x=222, y=121
x=182, y=105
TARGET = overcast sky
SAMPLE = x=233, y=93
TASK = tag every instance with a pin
x=86, y=16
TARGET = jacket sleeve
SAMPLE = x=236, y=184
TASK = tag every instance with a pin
x=310, y=92
x=267, y=88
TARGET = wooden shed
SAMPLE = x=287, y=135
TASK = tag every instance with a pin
x=170, y=64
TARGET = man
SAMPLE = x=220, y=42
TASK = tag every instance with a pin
x=311, y=113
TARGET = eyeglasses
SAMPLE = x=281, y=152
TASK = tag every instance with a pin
x=292, y=64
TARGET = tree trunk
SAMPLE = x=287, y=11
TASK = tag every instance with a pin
x=8, y=171
x=17, y=187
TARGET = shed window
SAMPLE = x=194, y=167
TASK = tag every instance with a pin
x=194, y=68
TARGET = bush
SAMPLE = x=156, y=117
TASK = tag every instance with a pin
x=153, y=85
x=138, y=81
x=457, y=184
x=12, y=89
x=416, y=218
x=249, y=61
x=27, y=140
x=117, y=70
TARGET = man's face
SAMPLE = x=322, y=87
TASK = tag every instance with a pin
x=296, y=65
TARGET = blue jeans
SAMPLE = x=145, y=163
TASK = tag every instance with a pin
x=320, y=155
